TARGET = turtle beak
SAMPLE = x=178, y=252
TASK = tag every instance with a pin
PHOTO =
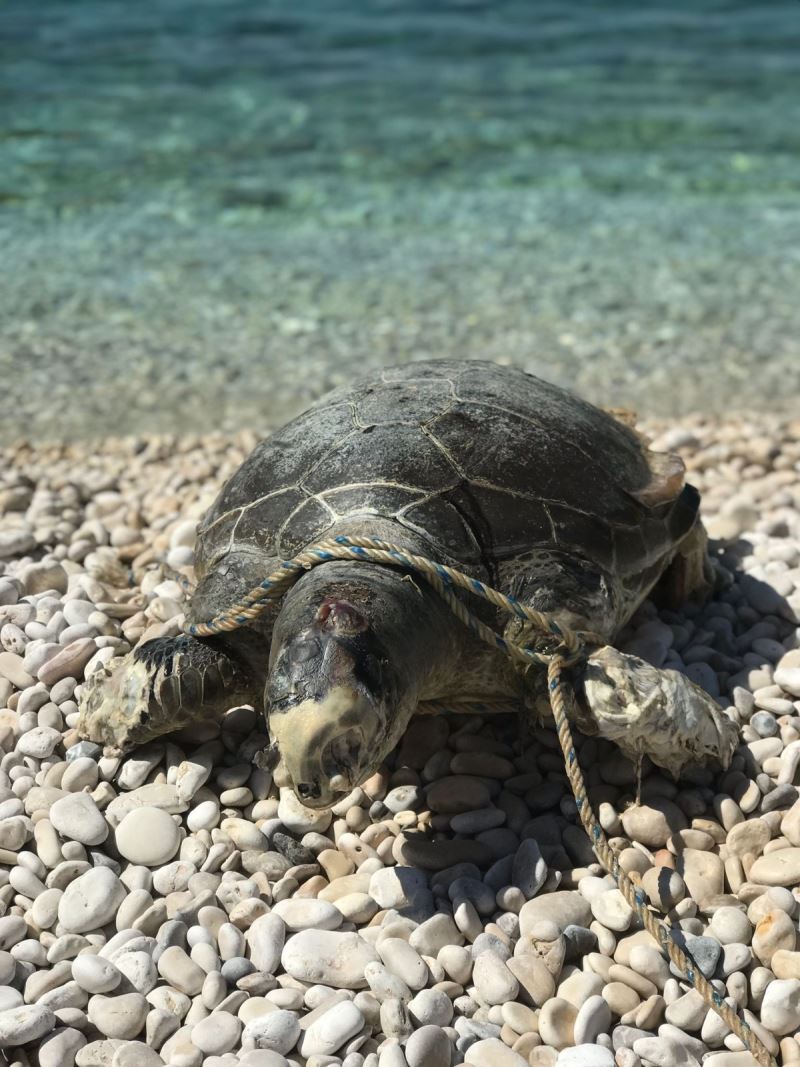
x=323, y=744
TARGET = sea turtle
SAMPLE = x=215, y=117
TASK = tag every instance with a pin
x=482, y=467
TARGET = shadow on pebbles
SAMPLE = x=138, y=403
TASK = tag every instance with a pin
x=178, y=907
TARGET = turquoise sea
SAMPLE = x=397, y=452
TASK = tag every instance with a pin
x=211, y=211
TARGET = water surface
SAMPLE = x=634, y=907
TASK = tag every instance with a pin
x=212, y=211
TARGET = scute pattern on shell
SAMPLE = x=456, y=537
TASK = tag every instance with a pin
x=477, y=465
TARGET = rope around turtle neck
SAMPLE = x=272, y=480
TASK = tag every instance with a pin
x=565, y=648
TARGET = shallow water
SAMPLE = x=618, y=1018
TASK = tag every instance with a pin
x=211, y=212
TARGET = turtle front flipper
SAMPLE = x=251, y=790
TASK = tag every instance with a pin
x=162, y=686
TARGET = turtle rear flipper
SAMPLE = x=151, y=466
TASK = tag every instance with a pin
x=690, y=575
x=649, y=711
x=162, y=686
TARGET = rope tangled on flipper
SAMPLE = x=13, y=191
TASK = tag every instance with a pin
x=564, y=648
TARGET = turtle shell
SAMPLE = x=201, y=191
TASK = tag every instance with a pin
x=474, y=464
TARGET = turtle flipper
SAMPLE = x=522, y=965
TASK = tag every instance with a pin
x=163, y=685
x=690, y=575
x=574, y=592
x=648, y=711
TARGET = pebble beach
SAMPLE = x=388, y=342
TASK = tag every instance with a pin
x=178, y=906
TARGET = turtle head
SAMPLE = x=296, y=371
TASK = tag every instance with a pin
x=333, y=696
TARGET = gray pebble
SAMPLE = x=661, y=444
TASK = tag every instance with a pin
x=235, y=969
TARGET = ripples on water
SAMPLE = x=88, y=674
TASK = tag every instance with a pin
x=211, y=211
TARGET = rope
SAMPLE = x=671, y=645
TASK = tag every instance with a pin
x=659, y=930
x=566, y=648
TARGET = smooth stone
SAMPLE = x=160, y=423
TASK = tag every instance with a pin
x=261, y=1058
x=384, y=985
x=781, y=868
x=788, y=678
x=663, y=1052
x=299, y=819
x=457, y=963
x=785, y=964
x=654, y=823
x=585, y=1055
x=730, y=1059
x=431, y=1007
x=136, y=1054
x=687, y=1012
x=9, y=998
x=357, y=908
x=749, y=837
x=705, y=951
x=476, y=822
x=564, y=908
x=148, y=836
x=491, y=1052
x=529, y=870
x=612, y=910
x=664, y=887
x=266, y=938
x=40, y=742
x=180, y=971
x=404, y=961
x=534, y=977
x=457, y=793
x=328, y=957
x=780, y=1007
x=417, y=850
x=737, y=958
x=276, y=1031
x=12, y=930
x=77, y=817
x=730, y=926
x=244, y=834
x=58, y=1049
x=12, y=668
x=428, y=1047
x=578, y=943
x=773, y=932
x=404, y=798
x=790, y=827
x=139, y=969
x=120, y=1017
x=69, y=662
x=26, y=1023
x=703, y=873
x=153, y=795
x=308, y=914
x=579, y=986
x=204, y=816
x=217, y=1034
x=398, y=887
x=557, y=1023
x=95, y=974
x=90, y=901
x=493, y=981
x=432, y=935
x=331, y=1030
x=593, y=1018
